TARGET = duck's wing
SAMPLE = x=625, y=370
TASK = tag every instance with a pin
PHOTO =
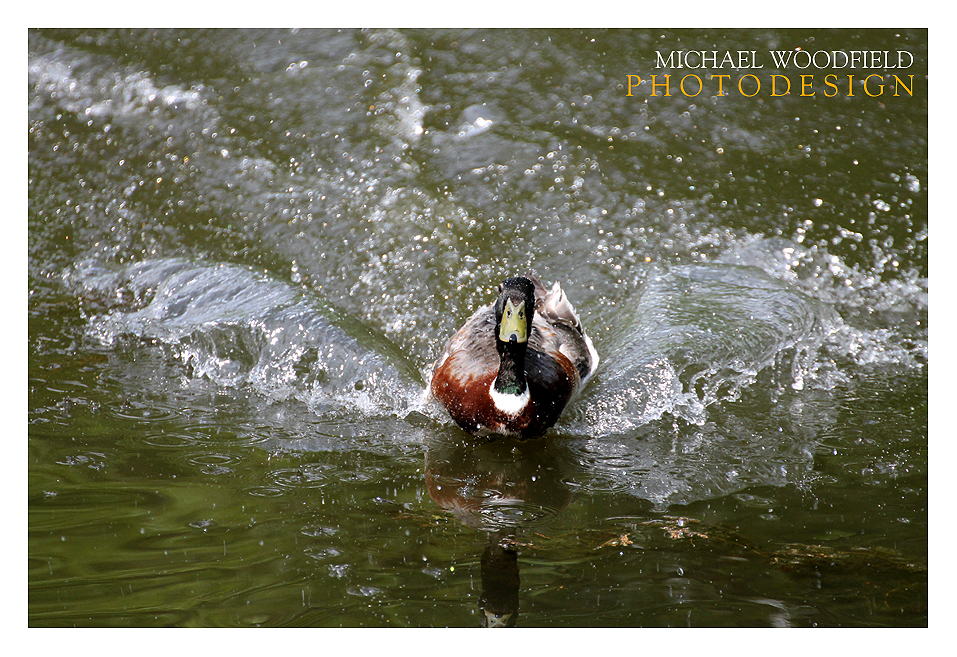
x=472, y=347
x=552, y=304
x=560, y=329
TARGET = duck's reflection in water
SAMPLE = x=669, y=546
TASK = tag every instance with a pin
x=500, y=584
x=504, y=487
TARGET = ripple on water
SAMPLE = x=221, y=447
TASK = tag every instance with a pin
x=175, y=440
x=320, y=554
x=309, y=476
x=265, y=491
x=215, y=463
x=503, y=514
x=209, y=433
x=149, y=411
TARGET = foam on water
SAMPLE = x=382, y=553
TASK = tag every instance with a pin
x=871, y=299
x=693, y=335
x=239, y=328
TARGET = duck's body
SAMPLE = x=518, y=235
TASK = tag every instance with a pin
x=508, y=371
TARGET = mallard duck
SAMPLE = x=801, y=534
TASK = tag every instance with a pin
x=515, y=364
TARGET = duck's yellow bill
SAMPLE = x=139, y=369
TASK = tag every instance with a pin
x=513, y=323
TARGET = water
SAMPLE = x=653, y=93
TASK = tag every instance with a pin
x=246, y=248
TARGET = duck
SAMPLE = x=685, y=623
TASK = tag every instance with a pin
x=515, y=364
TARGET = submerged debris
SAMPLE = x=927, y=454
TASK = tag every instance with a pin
x=795, y=556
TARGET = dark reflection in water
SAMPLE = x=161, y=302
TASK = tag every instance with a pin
x=500, y=583
x=502, y=487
